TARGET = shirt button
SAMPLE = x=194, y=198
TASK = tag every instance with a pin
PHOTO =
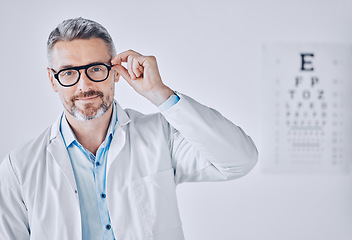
x=97, y=163
x=108, y=227
x=102, y=195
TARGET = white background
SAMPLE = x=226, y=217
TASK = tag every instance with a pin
x=211, y=51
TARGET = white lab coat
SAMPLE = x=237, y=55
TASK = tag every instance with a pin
x=148, y=157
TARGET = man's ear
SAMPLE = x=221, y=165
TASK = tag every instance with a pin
x=52, y=80
x=116, y=76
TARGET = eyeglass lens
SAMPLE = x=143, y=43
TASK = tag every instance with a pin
x=95, y=73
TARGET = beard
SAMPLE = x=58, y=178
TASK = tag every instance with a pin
x=89, y=111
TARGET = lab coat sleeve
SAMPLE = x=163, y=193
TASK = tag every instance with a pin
x=205, y=146
x=13, y=212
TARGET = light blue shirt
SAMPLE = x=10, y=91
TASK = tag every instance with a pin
x=90, y=175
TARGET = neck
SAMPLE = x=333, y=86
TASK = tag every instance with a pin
x=90, y=133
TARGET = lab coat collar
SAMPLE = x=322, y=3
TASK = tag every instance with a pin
x=122, y=117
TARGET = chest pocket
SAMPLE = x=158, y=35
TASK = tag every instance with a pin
x=157, y=203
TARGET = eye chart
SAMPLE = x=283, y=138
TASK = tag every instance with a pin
x=306, y=108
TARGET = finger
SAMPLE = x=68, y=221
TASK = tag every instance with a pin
x=123, y=72
x=122, y=57
x=137, y=68
x=129, y=66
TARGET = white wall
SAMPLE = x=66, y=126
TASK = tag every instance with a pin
x=209, y=50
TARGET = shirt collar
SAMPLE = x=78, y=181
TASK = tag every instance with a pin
x=69, y=136
x=113, y=122
x=66, y=131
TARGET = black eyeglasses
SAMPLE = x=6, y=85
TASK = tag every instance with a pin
x=97, y=72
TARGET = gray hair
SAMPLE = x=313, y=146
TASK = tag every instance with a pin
x=79, y=28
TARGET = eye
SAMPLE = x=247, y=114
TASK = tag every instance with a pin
x=68, y=73
x=96, y=69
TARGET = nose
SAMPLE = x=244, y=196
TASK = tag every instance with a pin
x=84, y=83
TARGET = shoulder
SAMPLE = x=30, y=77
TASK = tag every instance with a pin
x=153, y=123
x=138, y=118
x=32, y=146
x=27, y=153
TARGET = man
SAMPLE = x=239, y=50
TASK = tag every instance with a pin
x=101, y=172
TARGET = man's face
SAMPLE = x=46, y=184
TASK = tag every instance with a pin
x=86, y=99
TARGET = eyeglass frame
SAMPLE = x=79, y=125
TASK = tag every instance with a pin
x=85, y=67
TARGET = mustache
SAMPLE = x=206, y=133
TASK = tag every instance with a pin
x=89, y=93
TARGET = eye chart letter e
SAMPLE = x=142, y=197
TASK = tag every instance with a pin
x=305, y=115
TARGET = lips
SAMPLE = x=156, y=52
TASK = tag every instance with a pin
x=86, y=98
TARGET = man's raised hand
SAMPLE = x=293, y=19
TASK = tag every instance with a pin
x=143, y=75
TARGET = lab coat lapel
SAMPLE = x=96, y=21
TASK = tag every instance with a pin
x=118, y=142
x=59, y=153
x=119, y=139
